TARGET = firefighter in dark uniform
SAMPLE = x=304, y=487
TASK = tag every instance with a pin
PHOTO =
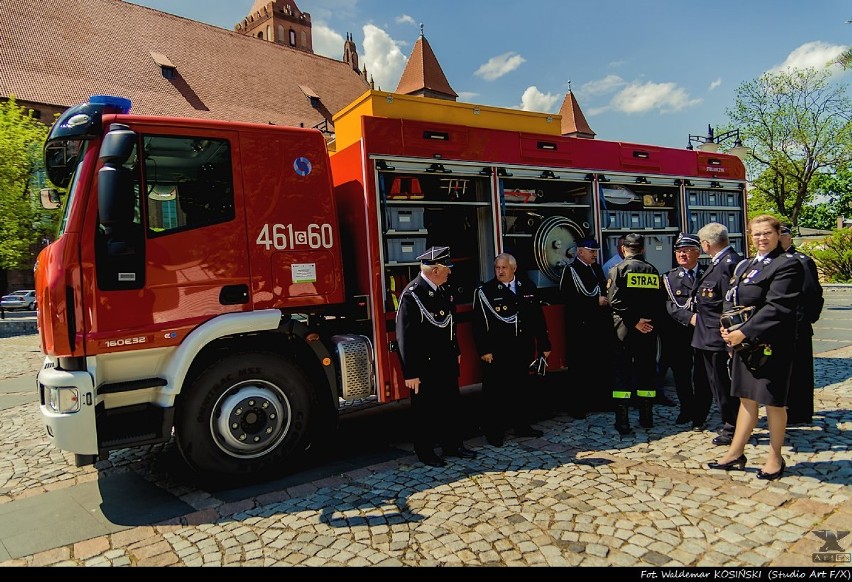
x=800, y=401
x=676, y=335
x=638, y=308
x=711, y=352
x=430, y=356
x=588, y=331
x=510, y=333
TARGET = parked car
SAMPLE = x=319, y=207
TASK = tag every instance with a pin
x=24, y=299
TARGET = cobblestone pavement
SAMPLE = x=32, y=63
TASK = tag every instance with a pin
x=578, y=496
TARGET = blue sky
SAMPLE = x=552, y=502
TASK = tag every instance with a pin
x=652, y=71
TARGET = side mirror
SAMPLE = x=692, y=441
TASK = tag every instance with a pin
x=118, y=144
x=49, y=199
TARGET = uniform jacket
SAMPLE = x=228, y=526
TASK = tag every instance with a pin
x=679, y=293
x=581, y=287
x=505, y=321
x=709, y=300
x=773, y=286
x=425, y=332
x=635, y=291
x=812, y=301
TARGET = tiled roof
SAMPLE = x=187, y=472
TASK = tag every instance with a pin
x=423, y=75
x=60, y=52
x=573, y=121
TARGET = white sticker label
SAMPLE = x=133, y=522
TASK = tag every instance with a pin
x=126, y=277
x=304, y=273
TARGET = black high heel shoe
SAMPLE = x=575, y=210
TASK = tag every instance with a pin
x=737, y=464
x=772, y=476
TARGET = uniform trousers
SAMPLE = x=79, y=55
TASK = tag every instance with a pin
x=800, y=400
x=436, y=415
x=717, y=373
x=636, y=367
x=506, y=392
x=690, y=379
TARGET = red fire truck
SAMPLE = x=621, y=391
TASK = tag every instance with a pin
x=233, y=286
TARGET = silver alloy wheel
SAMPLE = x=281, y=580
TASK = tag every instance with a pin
x=252, y=418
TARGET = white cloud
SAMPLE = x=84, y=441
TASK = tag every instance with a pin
x=816, y=54
x=382, y=57
x=405, y=19
x=535, y=100
x=500, y=65
x=715, y=84
x=327, y=42
x=603, y=86
x=643, y=97
x=467, y=96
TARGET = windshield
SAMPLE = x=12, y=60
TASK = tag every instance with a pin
x=72, y=187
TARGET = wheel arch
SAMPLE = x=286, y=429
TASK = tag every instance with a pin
x=293, y=340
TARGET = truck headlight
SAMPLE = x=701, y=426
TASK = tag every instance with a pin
x=63, y=399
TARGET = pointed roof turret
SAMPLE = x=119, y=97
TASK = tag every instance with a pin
x=574, y=123
x=423, y=75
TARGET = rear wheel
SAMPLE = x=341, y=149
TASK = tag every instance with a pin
x=246, y=415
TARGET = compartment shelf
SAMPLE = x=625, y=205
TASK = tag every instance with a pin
x=406, y=232
x=643, y=229
x=546, y=205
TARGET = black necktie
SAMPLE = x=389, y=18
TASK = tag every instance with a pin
x=691, y=274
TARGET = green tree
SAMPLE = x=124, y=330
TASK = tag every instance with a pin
x=833, y=256
x=834, y=195
x=22, y=224
x=797, y=124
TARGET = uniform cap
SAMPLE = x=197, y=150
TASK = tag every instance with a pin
x=588, y=243
x=436, y=256
x=634, y=241
x=687, y=240
x=786, y=230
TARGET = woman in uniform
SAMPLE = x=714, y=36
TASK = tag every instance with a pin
x=762, y=337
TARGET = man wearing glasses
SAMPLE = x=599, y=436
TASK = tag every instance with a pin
x=708, y=301
x=676, y=336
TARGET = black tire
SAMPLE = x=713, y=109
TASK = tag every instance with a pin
x=246, y=415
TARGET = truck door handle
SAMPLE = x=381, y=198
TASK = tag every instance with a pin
x=234, y=295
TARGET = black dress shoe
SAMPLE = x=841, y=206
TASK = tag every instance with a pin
x=435, y=461
x=528, y=431
x=699, y=426
x=495, y=440
x=664, y=400
x=737, y=464
x=722, y=440
x=461, y=452
x=682, y=418
x=772, y=476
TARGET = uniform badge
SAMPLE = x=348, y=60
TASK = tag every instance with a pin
x=431, y=293
x=710, y=294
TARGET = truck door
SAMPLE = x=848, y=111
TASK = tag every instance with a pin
x=179, y=255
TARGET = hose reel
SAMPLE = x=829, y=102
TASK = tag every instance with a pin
x=555, y=245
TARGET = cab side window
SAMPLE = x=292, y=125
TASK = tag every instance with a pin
x=188, y=183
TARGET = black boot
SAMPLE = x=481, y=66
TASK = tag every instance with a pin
x=646, y=417
x=622, y=420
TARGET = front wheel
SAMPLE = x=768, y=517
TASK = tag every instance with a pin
x=246, y=415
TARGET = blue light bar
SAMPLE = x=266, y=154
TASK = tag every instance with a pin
x=120, y=104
